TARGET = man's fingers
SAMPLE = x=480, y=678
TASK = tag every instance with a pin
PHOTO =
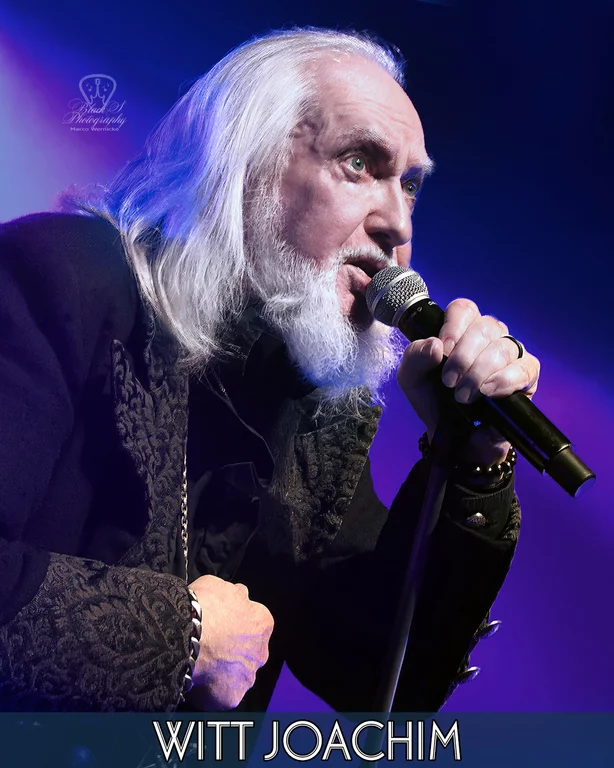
x=495, y=357
x=521, y=375
x=459, y=315
x=420, y=357
x=471, y=345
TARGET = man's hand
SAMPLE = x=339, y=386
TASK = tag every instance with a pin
x=479, y=361
x=233, y=646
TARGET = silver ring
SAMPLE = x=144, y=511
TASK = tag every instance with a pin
x=517, y=343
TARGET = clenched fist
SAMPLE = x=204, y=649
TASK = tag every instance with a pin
x=234, y=643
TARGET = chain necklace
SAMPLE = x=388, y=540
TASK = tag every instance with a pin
x=184, y=511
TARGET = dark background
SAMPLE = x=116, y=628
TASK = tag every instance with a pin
x=516, y=100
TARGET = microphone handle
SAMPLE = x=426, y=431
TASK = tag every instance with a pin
x=520, y=421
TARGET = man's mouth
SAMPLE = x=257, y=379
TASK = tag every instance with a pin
x=367, y=265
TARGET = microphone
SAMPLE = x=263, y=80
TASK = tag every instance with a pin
x=399, y=297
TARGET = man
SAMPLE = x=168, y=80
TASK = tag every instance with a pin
x=186, y=397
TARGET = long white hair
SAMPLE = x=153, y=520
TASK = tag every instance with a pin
x=180, y=206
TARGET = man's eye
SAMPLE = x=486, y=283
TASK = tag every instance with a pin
x=411, y=187
x=357, y=163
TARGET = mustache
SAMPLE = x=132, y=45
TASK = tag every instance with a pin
x=369, y=258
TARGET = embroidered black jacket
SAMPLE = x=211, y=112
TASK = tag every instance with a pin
x=94, y=415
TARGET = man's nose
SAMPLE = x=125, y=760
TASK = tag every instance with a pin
x=389, y=221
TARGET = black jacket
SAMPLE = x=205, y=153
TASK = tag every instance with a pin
x=94, y=417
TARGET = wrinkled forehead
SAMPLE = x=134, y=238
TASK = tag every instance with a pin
x=351, y=95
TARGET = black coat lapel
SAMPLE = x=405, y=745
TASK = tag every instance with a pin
x=151, y=419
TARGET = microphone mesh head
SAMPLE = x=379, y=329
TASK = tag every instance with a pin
x=396, y=295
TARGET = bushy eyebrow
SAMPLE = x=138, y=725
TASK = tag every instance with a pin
x=372, y=141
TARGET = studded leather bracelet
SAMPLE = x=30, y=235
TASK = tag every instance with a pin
x=476, y=476
x=194, y=646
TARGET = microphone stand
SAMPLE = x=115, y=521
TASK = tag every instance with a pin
x=446, y=441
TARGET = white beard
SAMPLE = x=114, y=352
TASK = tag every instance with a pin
x=302, y=304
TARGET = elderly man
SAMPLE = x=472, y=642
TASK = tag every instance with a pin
x=188, y=396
